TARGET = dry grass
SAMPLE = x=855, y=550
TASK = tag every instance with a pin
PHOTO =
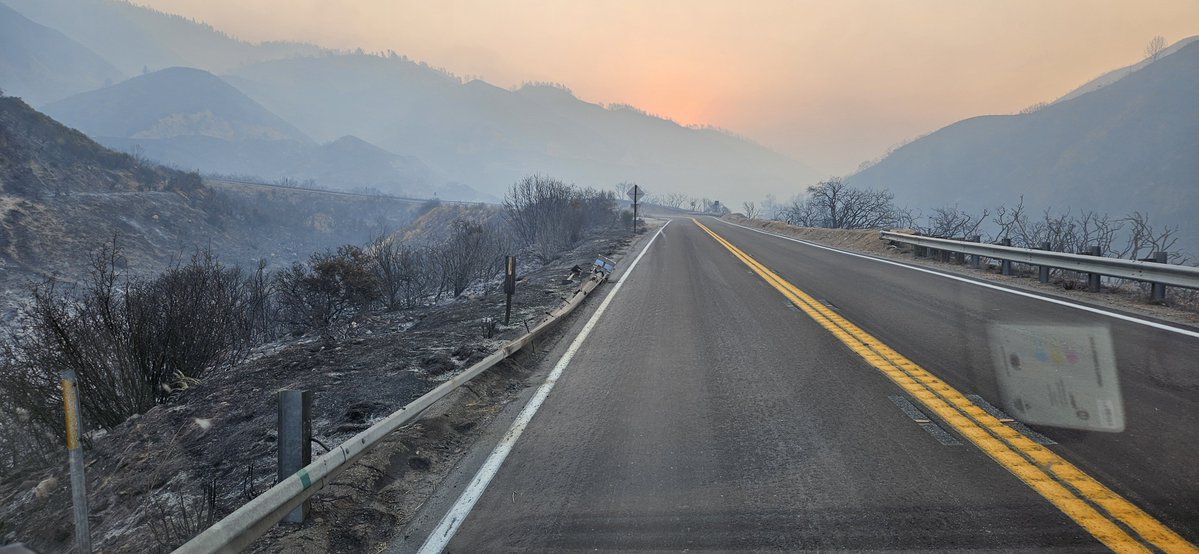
x=863, y=240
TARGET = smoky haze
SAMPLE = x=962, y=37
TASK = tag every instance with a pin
x=437, y=100
x=829, y=83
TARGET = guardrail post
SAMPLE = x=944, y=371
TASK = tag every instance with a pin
x=1093, y=278
x=70, y=403
x=1005, y=266
x=1043, y=270
x=1158, y=292
x=975, y=259
x=294, y=440
x=1088, y=264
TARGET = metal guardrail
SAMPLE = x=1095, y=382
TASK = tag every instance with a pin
x=1151, y=272
x=240, y=528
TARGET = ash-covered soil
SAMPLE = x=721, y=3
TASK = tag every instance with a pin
x=148, y=479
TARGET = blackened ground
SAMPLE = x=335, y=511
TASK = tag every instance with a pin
x=146, y=478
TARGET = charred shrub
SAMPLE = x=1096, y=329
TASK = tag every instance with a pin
x=473, y=252
x=130, y=342
x=175, y=517
x=406, y=274
x=328, y=290
x=437, y=364
x=552, y=216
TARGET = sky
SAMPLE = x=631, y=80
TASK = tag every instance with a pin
x=831, y=83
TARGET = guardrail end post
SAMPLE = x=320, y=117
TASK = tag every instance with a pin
x=1005, y=266
x=294, y=440
x=1043, y=270
x=1158, y=292
x=1093, y=284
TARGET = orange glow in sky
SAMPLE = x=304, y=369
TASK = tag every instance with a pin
x=831, y=83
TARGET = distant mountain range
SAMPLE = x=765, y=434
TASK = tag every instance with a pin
x=489, y=137
x=192, y=119
x=137, y=39
x=43, y=65
x=1124, y=141
x=438, y=133
x=1131, y=144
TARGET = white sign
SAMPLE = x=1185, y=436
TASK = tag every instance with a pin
x=1058, y=375
x=636, y=193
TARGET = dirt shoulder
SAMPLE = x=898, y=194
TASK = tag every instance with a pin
x=149, y=478
x=1130, y=297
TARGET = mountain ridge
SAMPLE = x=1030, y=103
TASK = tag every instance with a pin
x=1128, y=146
x=484, y=137
x=1109, y=77
x=192, y=119
x=488, y=137
x=138, y=38
x=42, y=65
x=176, y=101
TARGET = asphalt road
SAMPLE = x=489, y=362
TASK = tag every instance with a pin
x=705, y=411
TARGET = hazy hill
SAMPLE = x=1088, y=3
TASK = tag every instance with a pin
x=61, y=195
x=1116, y=74
x=42, y=65
x=40, y=157
x=192, y=119
x=1131, y=145
x=56, y=187
x=133, y=37
x=351, y=162
x=171, y=103
x=488, y=137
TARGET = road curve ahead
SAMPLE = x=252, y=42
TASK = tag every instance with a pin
x=746, y=392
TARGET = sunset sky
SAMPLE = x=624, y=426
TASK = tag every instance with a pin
x=830, y=83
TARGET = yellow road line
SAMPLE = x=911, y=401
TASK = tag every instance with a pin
x=1087, y=501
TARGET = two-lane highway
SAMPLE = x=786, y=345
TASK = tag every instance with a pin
x=743, y=392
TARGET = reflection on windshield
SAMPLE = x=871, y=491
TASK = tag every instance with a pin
x=1058, y=375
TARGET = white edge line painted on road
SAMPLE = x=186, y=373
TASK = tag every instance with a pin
x=637, y=259
x=1051, y=300
x=440, y=537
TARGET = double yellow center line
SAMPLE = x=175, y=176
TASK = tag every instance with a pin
x=1114, y=521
